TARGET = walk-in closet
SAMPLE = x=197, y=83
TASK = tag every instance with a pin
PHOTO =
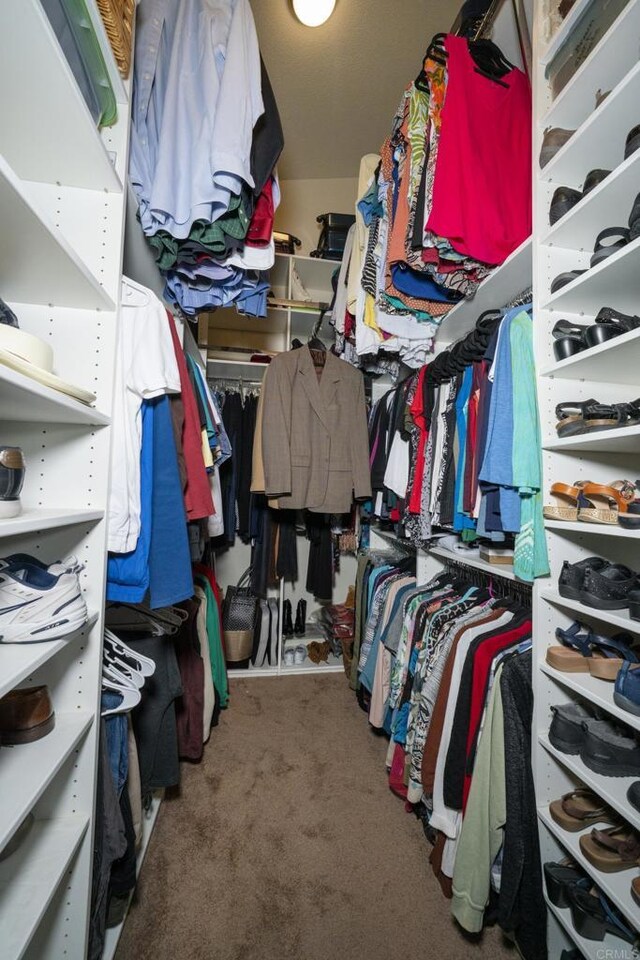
x=319, y=479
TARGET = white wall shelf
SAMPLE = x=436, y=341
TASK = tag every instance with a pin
x=218, y=369
x=30, y=877
x=615, y=280
x=28, y=769
x=506, y=282
x=598, y=142
x=615, y=361
x=25, y=399
x=612, y=789
x=608, y=204
x=619, y=619
x=28, y=239
x=618, y=440
x=503, y=570
x=604, y=68
x=616, y=886
x=593, y=690
x=46, y=519
x=61, y=143
x=597, y=529
x=20, y=660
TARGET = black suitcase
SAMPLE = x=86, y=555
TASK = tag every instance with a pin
x=333, y=236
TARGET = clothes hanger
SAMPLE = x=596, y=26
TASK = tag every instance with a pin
x=145, y=665
x=130, y=697
x=316, y=346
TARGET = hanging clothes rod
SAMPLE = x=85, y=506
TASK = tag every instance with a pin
x=519, y=588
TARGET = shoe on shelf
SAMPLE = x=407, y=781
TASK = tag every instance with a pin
x=588, y=416
x=609, y=750
x=300, y=653
x=584, y=651
x=559, y=877
x=553, y=140
x=633, y=795
x=37, y=603
x=566, y=503
x=569, y=339
x=572, y=576
x=626, y=694
x=26, y=715
x=564, y=199
x=274, y=632
x=12, y=469
x=616, y=848
x=608, y=503
x=579, y=809
x=608, y=587
x=566, y=732
x=288, y=657
x=632, y=142
x=609, y=241
x=563, y=279
x=593, y=916
x=287, y=619
x=593, y=179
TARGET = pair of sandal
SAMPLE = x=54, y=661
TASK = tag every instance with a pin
x=610, y=850
x=581, y=650
x=572, y=338
x=593, y=916
x=575, y=418
x=614, y=503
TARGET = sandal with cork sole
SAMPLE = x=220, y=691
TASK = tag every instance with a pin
x=609, y=654
x=572, y=656
x=566, y=506
x=616, y=848
x=579, y=809
x=605, y=503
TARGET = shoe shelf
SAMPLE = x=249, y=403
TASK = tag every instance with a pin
x=604, y=68
x=333, y=665
x=30, y=877
x=501, y=286
x=616, y=886
x=593, y=690
x=18, y=661
x=69, y=148
x=613, y=790
x=24, y=399
x=599, y=529
x=608, y=203
x=616, y=619
x=42, y=518
x=615, y=280
x=616, y=361
x=598, y=142
x=619, y=440
x=610, y=947
x=219, y=369
x=503, y=570
x=37, y=264
x=27, y=769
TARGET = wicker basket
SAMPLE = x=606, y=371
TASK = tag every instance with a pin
x=117, y=16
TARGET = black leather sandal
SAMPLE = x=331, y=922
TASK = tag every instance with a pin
x=564, y=278
x=620, y=237
x=610, y=323
x=569, y=339
x=576, y=418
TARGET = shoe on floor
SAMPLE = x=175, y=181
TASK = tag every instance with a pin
x=37, y=603
x=26, y=714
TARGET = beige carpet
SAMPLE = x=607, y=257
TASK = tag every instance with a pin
x=287, y=844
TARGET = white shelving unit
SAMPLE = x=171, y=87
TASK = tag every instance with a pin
x=62, y=208
x=608, y=373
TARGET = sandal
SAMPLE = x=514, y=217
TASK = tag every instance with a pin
x=560, y=877
x=566, y=498
x=576, y=418
x=609, y=323
x=634, y=219
x=609, y=654
x=603, y=250
x=593, y=916
x=600, y=503
x=583, y=651
x=570, y=338
x=613, y=849
x=579, y=809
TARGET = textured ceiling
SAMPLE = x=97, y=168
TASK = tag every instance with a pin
x=338, y=85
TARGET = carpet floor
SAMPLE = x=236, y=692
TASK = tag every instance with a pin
x=286, y=843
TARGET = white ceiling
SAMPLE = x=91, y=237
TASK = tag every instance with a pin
x=338, y=85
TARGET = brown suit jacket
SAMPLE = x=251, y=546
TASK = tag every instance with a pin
x=315, y=445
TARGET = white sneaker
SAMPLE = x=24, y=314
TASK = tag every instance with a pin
x=288, y=657
x=300, y=654
x=37, y=603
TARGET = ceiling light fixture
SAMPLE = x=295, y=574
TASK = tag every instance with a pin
x=313, y=12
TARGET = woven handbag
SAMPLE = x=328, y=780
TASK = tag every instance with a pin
x=117, y=16
x=240, y=606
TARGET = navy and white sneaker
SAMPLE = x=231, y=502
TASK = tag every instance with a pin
x=38, y=602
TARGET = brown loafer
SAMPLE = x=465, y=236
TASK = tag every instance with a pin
x=26, y=715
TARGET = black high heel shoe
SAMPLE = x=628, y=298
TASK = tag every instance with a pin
x=301, y=619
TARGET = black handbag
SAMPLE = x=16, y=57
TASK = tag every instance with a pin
x=240, y=605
